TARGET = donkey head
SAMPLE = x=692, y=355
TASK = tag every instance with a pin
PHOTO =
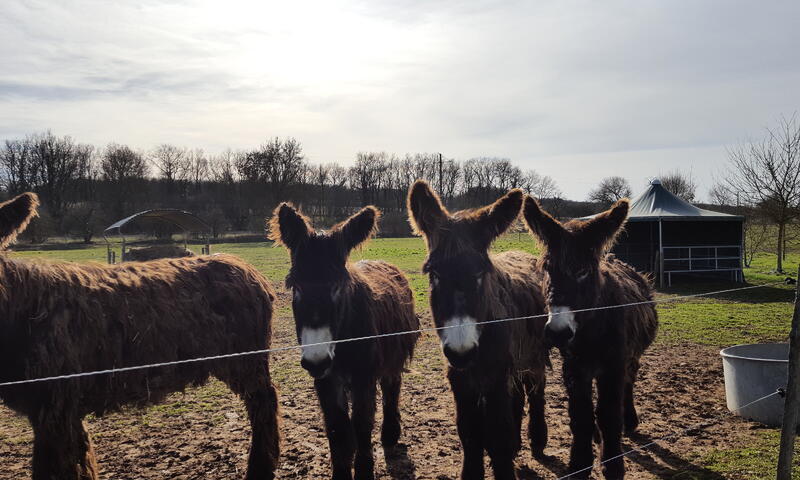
x=458, y=264
x=15, y=215
x=319, y=279
x=572, y=255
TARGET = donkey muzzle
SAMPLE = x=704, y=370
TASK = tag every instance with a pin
x=560, y=326
x=318, y=368
x=461, y=359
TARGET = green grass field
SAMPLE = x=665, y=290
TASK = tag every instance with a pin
x=757, y=315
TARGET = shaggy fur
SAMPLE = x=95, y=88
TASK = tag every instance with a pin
x=606, y=345
x=143, y=254
x=348, y=300
x=491, y=380
x=62, y=318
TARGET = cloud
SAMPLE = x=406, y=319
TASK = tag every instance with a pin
x=563, y=87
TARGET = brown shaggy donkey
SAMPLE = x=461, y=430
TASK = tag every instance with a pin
x=62, y=318
x=334, y=299
x=143, y=254
x=493, y=366
x=602, y=345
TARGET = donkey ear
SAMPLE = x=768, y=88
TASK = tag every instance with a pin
x=425, y=210
x=357, y=229
x=604, y=228
x=288, y=226
x=494, y=220
x=15, y=215
x=544, y=226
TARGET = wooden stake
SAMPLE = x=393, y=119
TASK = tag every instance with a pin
x=791, y=407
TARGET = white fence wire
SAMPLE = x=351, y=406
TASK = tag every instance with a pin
x=369, y=337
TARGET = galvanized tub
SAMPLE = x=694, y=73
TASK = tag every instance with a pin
x=754, y=371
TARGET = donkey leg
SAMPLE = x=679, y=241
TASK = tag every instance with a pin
x=363, y=423
x=581, y=418
x=631, y=417
x=333, y=401
x=254, y=387
x=501, y=430
x=537, y=423
x=390, y=430
x=610, y=387
x=62, y=448
x=469, y=420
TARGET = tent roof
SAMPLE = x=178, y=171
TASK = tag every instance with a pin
x=658, y=203
x=184, y=220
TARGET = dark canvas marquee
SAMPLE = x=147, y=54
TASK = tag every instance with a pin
x=666, y=236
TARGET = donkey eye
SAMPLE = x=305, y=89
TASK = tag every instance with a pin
x=582, y=274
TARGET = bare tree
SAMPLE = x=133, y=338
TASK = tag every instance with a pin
x=171, y=163
x=278, y=163
x=18, y=168
x=222, y=167
x=451, y=171
x=610, y=190
x=540, y=186
x=766, y=174
x=367, y=174
x=719, y=194
x=197, y=166
x=124, y=170
x=119, y=163
x=59, y=163
x=680, y=184
x=756, y=235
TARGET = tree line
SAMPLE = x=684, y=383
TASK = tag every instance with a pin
x=84, y=189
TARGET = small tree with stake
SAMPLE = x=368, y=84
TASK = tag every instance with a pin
x=766, y=174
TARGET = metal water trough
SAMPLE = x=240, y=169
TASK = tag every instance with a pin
x=754, y=371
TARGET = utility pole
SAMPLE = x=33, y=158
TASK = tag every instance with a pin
x=441, y=182
x=791, y=407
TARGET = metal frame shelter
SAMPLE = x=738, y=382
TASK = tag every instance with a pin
x=184, y=221
x=667, y=235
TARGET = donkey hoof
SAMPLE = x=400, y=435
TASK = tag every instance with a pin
x=538, y=454
x=631, y=425
x=364, y=474
x=390, y=434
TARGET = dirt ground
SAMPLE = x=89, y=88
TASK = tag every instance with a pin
x=203, y=432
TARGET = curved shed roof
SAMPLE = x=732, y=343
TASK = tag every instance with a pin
x=186, y=221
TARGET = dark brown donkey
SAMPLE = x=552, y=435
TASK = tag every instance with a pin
x=59, y=318
x=492, y=366
x=601, y=345
x=334, y=299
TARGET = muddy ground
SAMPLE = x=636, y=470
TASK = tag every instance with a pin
x=203, y=432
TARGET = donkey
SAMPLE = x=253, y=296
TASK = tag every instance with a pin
x=334, y=299
x=491, y=366
x=602, y=345
x=62, y=318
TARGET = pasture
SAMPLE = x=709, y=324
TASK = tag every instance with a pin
x=203, y=432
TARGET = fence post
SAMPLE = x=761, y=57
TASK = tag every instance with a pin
x=791, y=407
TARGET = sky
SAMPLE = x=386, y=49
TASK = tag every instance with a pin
x=577, y=90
